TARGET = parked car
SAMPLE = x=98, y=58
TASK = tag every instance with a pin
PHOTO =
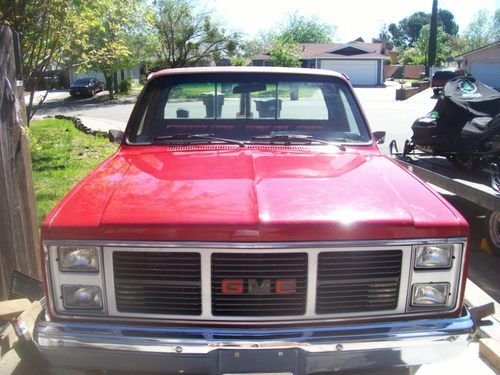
x=86, y=87
x=243, y=239
x=441, y=77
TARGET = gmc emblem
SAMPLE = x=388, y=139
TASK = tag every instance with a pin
x=255, y=286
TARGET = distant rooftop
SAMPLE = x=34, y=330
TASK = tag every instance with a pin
x=321, y=50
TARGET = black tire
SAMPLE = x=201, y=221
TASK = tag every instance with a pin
x=493, y=231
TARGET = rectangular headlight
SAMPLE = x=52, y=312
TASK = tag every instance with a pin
x=79, y=258
x=433, y=256
x=432, y=294
x=82, y=297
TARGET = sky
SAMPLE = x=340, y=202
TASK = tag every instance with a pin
x=353, y=18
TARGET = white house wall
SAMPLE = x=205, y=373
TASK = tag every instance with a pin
x=484, y=65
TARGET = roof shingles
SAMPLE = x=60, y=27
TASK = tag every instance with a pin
x=318, y=50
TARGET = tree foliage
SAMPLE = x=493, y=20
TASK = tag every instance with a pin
x=285, y=53
x=419, y=52
x=107, y=41
x=187, y=36
x=496, y=24
x=45, y=29
x=405, y=33
x=483, y=29
x=302, y=29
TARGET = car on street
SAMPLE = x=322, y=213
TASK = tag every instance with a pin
x=249, y=223
x=86, y=87
x=441, y=77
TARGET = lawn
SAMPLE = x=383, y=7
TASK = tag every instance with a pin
x=62, y=156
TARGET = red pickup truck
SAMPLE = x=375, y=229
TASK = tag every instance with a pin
x=441, y=77
x=248, y=223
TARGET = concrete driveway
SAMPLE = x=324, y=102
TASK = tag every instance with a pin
x=384, y=112
x=97, y=113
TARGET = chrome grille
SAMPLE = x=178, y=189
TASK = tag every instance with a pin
x=357, y=281
x=263, y=271
x=157, y=282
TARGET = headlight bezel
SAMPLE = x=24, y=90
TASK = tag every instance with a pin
x=451, y=275
x=58, y=277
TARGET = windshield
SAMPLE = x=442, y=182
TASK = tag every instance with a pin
x=445, y=74
x=248, y=108
x=82, y=81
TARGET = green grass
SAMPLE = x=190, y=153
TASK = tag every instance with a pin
x=61, y=156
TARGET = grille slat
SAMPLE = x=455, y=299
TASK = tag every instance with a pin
x=261, y=271
x=357, y=281
x=157, y=282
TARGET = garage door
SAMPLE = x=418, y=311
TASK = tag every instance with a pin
x=486, y=72
x=360, y=72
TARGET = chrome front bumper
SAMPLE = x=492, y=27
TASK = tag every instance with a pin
x=218, y=351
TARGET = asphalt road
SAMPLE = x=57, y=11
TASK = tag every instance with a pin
x=59, y=102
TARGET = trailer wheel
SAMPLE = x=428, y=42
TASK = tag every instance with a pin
x=493, y=231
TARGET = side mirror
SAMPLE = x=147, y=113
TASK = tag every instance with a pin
x=379, y=137
x=115, y=135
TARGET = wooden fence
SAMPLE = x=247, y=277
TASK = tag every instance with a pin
x=19, y=238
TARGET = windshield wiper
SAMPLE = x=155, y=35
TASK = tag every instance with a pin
x=288, y=138
x=186, y=137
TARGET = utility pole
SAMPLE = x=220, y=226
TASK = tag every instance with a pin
x=431, y=56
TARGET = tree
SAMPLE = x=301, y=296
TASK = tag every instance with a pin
x=480, y=31
x=413, y=25
x=431, y=59
x=446, y=19
x=285, y=53
x=188, y=36
x=45, y=29
x=407, y=31
x=496, y=25
x=301, y=29
x=396, y=35
x=108, y=41
x=420, y=50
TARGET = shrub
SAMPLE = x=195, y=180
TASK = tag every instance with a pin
x=125, y=86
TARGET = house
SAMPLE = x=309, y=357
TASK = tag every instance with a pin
x=483, y=63
x=362, y=62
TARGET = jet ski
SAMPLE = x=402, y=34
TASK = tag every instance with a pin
x=464, y=126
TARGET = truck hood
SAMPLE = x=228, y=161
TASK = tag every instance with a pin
x=226, y=193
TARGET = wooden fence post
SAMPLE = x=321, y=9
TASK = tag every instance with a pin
x=19, y=237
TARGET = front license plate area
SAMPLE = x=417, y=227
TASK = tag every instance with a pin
x=258, y=362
